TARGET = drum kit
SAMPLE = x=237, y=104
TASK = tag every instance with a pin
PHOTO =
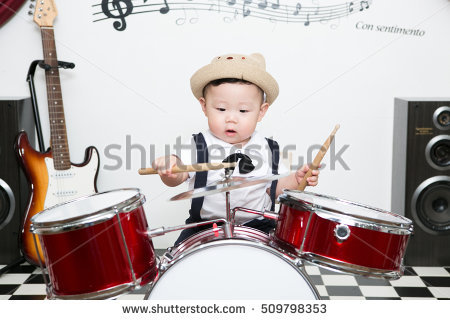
x=100, y=246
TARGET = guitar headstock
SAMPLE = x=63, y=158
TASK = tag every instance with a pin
x=44, y=13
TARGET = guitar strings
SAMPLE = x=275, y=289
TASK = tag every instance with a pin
x=57, y=135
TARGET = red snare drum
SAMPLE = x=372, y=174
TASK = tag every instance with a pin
x=96, y=247
x=342, y=235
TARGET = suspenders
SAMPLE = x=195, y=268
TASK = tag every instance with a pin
x=201, y=177
x=275, y=149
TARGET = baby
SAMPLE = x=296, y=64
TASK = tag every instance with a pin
x=235, y=92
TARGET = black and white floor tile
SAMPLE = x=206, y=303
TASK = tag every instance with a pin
x=25, y=282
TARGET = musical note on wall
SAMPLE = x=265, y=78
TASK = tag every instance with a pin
x=262, y=4
x=114, y=10
x=164, y=9
x=298, y=7
x=192, y=19
x=265, y=10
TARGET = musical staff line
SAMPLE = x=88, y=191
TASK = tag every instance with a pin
x=278, y=16
x=260, y=9
x=262, y=4
x=341, y=11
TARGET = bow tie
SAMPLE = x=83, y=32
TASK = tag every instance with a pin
x=245, y=163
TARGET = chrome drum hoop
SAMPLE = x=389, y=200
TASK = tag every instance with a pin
x=109, y=293
x=90, y=219
x=201, y=238
x=352, y=269
x=402, y=227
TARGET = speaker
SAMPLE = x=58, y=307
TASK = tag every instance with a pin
x=15, y=115
x=421, y=177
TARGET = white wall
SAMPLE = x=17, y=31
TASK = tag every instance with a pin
x=136, y=83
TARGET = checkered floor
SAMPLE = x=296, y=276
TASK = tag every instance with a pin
x=25, y=282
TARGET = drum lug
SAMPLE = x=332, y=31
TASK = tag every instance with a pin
x=341, y=232
x=166, y=260
x=299, y=263
x=162, y=267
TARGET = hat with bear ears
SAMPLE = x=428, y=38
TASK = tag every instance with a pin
x=251, y=68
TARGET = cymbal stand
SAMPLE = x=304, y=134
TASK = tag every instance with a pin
x=229, y=213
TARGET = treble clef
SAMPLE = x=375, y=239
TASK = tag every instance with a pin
x=116, y=4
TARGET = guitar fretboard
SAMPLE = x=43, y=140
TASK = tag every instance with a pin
x=58, y=132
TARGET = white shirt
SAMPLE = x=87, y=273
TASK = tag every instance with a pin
x=253, y=197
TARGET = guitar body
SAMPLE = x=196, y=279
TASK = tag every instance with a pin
x=50, y=187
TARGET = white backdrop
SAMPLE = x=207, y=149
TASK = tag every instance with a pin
x=134, y=84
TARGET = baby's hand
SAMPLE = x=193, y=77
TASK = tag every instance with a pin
x=164, y=166
x=312, y=181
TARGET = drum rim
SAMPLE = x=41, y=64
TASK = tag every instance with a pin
x=208, y=235
x=404, y=228
x=107, y=293
x=338, y=265
x=353, y=269
x=88, y=219
x=295, y=262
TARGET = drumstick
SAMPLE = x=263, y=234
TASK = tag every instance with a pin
x=315, y=164
x=192, y=168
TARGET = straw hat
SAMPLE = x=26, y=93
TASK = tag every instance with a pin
x=251, y=68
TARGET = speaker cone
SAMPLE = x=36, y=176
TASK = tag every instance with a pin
x=441, y=118
x=431, y=205
x=437, y=152
x=7, y=203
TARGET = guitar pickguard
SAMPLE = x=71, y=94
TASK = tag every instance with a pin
x=75, y=182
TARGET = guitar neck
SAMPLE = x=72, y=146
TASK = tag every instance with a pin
x=58, y=131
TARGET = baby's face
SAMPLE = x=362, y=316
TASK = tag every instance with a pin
x=233, y=110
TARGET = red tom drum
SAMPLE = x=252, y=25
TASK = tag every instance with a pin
x=96, y=247
x=342, y=235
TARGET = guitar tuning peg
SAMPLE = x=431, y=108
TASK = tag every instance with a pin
x=30, y=13
x=31, y=6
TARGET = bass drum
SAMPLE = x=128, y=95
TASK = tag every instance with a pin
x=208, y=266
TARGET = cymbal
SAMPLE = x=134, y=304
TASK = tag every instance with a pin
x=225, y=185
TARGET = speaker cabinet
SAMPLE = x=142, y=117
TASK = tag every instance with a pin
x=15, y=115
x=421, y=177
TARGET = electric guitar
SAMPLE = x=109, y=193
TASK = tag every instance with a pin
x=53, y=178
